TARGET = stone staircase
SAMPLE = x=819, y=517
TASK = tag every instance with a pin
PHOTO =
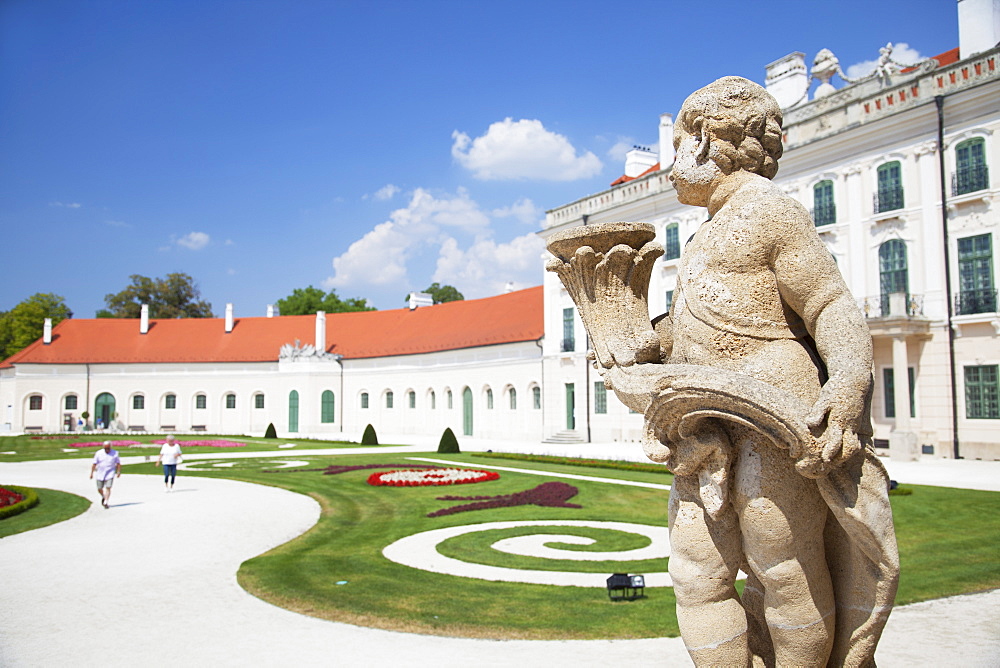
x=565, y=437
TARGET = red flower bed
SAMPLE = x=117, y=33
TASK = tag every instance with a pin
x=100, y=444
x=207, y=444
x=9, y=498
x=433, y=476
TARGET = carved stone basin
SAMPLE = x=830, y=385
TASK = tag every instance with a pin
x=602, y=238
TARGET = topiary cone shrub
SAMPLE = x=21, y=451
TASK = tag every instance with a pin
x=270, y=432
x=369, y=437
x=448, y=443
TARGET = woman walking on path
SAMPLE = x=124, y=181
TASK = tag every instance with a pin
x=170, y=455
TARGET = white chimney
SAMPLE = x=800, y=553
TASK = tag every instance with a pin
x=144, y=319
x=666, y=140
x=229, y=318
x=270, y=310
x=418, y=299
x=978, y=26
x=509, y=288
x=321, y=331
x=47, y=332
x=638, y=160
x=788, y=80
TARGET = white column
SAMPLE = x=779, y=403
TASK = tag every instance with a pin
x=902, y=441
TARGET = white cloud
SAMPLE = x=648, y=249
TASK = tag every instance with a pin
x=522, y=149
x=484, y=268
x=386, y=192
x=73, y=205
x=901, y=53
x=380, y=257
x=524, y=210
x=617, y=152
x=194, y=241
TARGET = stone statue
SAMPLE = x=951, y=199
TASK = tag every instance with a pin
x=756, y=393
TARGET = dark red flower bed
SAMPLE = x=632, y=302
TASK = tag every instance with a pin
x=9, y=498
x=548, y=494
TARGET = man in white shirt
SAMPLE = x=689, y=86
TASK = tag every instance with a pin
x=108, y=466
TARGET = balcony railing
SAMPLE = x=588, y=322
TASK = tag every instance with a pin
x=968, y=302
x=970, y=179
x=824, y=215
x=888, y=200
x=881, y=306
x=568, y=345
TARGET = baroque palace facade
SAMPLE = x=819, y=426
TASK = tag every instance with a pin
x=899, y=171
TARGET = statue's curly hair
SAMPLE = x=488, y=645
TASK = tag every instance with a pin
x=742, y=123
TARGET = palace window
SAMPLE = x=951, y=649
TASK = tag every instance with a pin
x=977, y=293
x=450, y=403
x=892, y=271
x=433, y=400
x=411, y=398
x=230, y=401
x=258, y=400
x=388, y=399
x=326, y=407
x=489, y=399
x=71, y=402
x=971, y=173
x=824, y=210
x=364, y=400
x=890, y=188
x=672, y=244
x=170, y=401
x=569, y=340
x=138, y=402
x=600, y=397
x=536, y=397
x=982, y=392
x=200, y=401
x=35, y=402
x=670, y=299
x=513, y=399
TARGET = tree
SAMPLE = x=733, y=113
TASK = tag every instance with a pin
x=175, y=296
x=24, y=323
x=306, y=301
x=443, y=293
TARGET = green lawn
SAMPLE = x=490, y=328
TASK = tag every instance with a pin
x=56, y=446
x=53, y=506
x=947, y=540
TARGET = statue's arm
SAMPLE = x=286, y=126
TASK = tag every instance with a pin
x=812, y=285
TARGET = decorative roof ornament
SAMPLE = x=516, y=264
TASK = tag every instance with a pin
x=304, y=353
x=825, y=65
x=886, y=67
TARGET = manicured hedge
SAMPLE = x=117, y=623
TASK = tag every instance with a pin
x=29, y=500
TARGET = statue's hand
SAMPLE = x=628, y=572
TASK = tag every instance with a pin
x=841, y=405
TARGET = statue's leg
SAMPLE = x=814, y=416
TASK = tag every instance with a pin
x=782, y=518
x=704, y=560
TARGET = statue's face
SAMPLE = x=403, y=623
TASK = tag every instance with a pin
x=694, y=171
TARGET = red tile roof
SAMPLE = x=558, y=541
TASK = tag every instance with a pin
x=508, y=318
x=625, y=179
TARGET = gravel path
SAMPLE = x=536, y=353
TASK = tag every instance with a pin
x=151, y=582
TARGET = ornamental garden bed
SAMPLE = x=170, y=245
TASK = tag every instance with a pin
x=337, y=570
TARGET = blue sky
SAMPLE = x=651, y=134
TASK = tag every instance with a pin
x=372, y=147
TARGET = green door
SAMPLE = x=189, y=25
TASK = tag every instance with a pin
x=293, y=411
x=467, y=412
x=104, y=409
x=570, y=406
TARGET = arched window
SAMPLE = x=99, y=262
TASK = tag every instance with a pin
x=411, y=399
x=513, y=399
x=388, y=399
x=170, y=401
x=672, y=243
x=293, y=411
x=71, y=402
x=892, y=272
x=433, y=400
x=35, y=402
x=258, y=400
x=450, y=402
x=230, y=400
x=326, y=407
x=364, y=400
x=824, y=210
x=890, y=187
x=138, y=402
x=970, y=167
x=489, y=399
x=536, y=397
x=200, y=401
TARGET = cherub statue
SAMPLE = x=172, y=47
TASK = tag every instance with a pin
x=769, y=360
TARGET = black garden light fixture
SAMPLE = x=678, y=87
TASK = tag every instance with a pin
x=622, y=587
